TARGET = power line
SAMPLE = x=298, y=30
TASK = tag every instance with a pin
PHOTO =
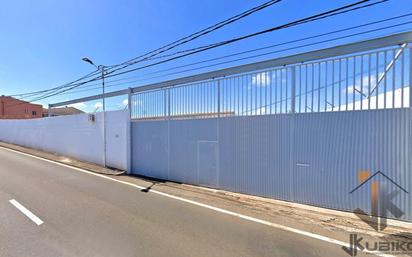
x=221, y=43
x=293, y=41
x=276, y=45
x=333, y=12
x=253, y=50
x=62, y=86
x=323, y=15
x=200, y=33
x=266, y=47
x=244, y=58
x=172, y=45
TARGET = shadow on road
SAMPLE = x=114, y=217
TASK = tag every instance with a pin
x=147, y=189
x=154, y=182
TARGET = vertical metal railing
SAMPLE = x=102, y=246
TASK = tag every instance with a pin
x=368, y=81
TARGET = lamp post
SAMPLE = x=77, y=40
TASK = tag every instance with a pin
x=102, y=69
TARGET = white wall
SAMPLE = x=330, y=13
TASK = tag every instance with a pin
x=73, y=136
x=116, y=139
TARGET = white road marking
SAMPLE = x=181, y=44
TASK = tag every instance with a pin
x=26, y=212
x=224, y=211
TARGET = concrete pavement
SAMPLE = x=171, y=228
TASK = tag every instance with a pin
x=85, y=215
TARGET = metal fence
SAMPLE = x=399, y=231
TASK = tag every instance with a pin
x=366, y=81
x=298, y=128
x=299, y=132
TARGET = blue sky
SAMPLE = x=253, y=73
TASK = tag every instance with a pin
x=42, y=42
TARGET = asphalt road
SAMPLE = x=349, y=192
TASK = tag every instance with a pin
x=85, y=215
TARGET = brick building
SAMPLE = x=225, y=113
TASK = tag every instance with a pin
x=11, y=108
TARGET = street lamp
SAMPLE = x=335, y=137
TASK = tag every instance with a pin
x=102, y=69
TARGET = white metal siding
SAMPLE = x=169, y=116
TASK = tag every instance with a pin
x=309, y=158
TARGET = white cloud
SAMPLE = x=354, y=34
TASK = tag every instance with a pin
x=80, y=106
x=261, y=79
x=98, y=105
x=365, y=84
x=261, y=111
x=125, y=102
x=137, y=102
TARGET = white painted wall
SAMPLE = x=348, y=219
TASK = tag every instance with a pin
x=116, y=139
x=73, y=136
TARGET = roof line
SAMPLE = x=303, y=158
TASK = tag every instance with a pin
x=19, y=100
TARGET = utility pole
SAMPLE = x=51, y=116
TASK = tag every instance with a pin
x=102, y=69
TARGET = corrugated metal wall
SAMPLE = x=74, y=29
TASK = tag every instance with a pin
x=299, y=132
x=311, y=158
